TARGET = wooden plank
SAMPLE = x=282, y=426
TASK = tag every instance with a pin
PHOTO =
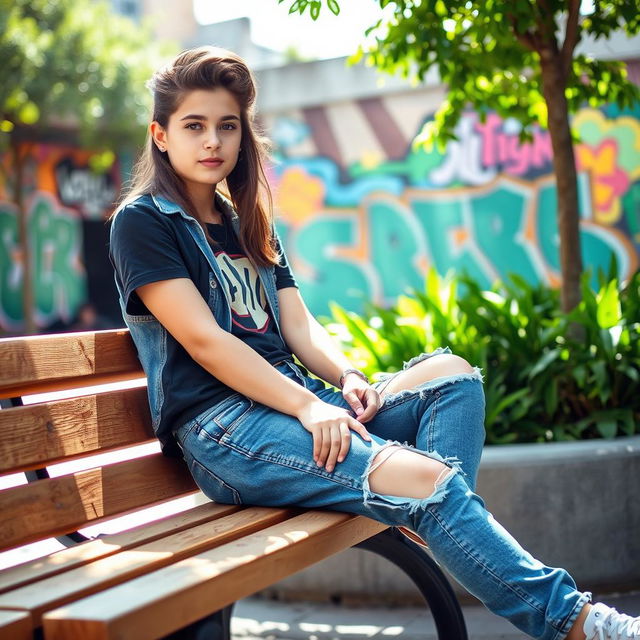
x=36, y=364
x=59, y=505
x=37, y=435
x=168, y=599
x=15, y=625
x=81, y=554
x=41, y=596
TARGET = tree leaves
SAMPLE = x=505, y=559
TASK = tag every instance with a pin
x=77, y=62
x=489, y=53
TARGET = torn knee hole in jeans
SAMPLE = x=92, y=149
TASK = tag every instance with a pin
x=383, y=453
x=428, y=385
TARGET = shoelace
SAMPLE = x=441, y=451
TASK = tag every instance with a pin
x=620, y=624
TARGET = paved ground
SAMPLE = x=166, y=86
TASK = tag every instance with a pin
x=255, y=618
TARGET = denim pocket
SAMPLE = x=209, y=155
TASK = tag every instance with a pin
x=232, y=414
x=213, y=486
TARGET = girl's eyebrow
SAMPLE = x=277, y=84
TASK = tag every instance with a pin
x=195, y=116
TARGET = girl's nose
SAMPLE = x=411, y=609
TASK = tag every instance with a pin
x=212, y=141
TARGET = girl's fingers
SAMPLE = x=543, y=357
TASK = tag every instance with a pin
x=355, y=403
x=360, y=429
x=372, y=403
x=325, y=447
x=345, y=437
x=336, y=445
x=317, y=445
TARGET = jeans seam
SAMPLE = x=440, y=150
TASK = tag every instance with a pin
x=571, y=617
x=205, y=468
x=233, y=425
x=491, y=572
x=430, y=429
x=338, y=478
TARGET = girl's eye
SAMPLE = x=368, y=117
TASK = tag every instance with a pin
x=194, y=126
x=228, y=126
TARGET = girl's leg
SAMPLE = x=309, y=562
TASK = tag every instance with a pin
x=247, y=453
x=541, y=601
x=440, y=397
x=438, y=402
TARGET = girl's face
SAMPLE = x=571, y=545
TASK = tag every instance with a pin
x=202, y=138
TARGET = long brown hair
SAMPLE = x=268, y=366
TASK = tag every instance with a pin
x=209, y=68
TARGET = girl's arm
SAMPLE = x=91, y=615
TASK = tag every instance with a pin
x=180, y=308
x=318, y=352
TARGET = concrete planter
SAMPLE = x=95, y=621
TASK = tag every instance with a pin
x=574, y=505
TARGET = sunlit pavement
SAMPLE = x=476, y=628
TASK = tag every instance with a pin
x=272, y=620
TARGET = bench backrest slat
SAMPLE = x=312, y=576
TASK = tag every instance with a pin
x=36, y=435
x=59, y=505
x=51, y=362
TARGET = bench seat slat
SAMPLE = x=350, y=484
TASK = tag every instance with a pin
x=70, y=586
x=168, y=599
x=15, y=625
x=86, y=552
x=59, y=505
x=36, y=364
x=37, y=435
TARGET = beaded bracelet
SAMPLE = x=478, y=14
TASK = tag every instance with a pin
x=348, y=371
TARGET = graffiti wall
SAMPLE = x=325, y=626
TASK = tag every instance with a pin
x=363, y=215
x=63, y=201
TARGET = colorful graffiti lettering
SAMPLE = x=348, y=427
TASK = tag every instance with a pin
x=58, y=277
x=60, y=190
x=92, y=193
x=502, y=149
x=486, y=206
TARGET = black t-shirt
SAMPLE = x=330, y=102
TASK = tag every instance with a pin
x=250, y=316
x=148, y=246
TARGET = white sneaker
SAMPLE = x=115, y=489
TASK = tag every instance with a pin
x=605, y=623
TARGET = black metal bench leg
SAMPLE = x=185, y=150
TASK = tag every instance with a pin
x=426, y=575
x=217, y=626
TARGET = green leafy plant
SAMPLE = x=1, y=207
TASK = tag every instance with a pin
x=541, y=384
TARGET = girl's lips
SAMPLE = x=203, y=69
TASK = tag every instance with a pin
x=211, y=163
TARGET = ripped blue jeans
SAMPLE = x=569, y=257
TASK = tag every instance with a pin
x=242, y=452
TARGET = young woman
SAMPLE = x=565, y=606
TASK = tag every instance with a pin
x=217, y=317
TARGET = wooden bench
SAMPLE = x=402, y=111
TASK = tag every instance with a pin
x=180, y=572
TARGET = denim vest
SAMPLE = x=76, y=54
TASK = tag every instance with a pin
x=150, y=337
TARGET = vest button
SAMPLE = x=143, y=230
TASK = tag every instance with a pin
x=212, y=283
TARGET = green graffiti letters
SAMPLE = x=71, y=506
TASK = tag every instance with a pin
x=323, y=274
x=381, y=250
x=394, y=246
x=59, y=281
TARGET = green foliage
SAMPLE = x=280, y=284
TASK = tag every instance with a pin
x=73, y=63
x=491, y=54
x=315, y=6
x=540, y=383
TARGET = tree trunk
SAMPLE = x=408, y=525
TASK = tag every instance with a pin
x=564, y=166
x=29, y=326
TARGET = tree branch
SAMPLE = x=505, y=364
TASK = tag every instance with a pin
x=547, y=28
x=526, y=39
x=572, y=35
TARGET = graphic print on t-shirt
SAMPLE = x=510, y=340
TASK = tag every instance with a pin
x=248, y=302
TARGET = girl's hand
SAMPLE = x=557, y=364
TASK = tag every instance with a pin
x=331, y=428
x=361, y=396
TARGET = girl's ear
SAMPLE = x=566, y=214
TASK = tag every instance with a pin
x=159, y=135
